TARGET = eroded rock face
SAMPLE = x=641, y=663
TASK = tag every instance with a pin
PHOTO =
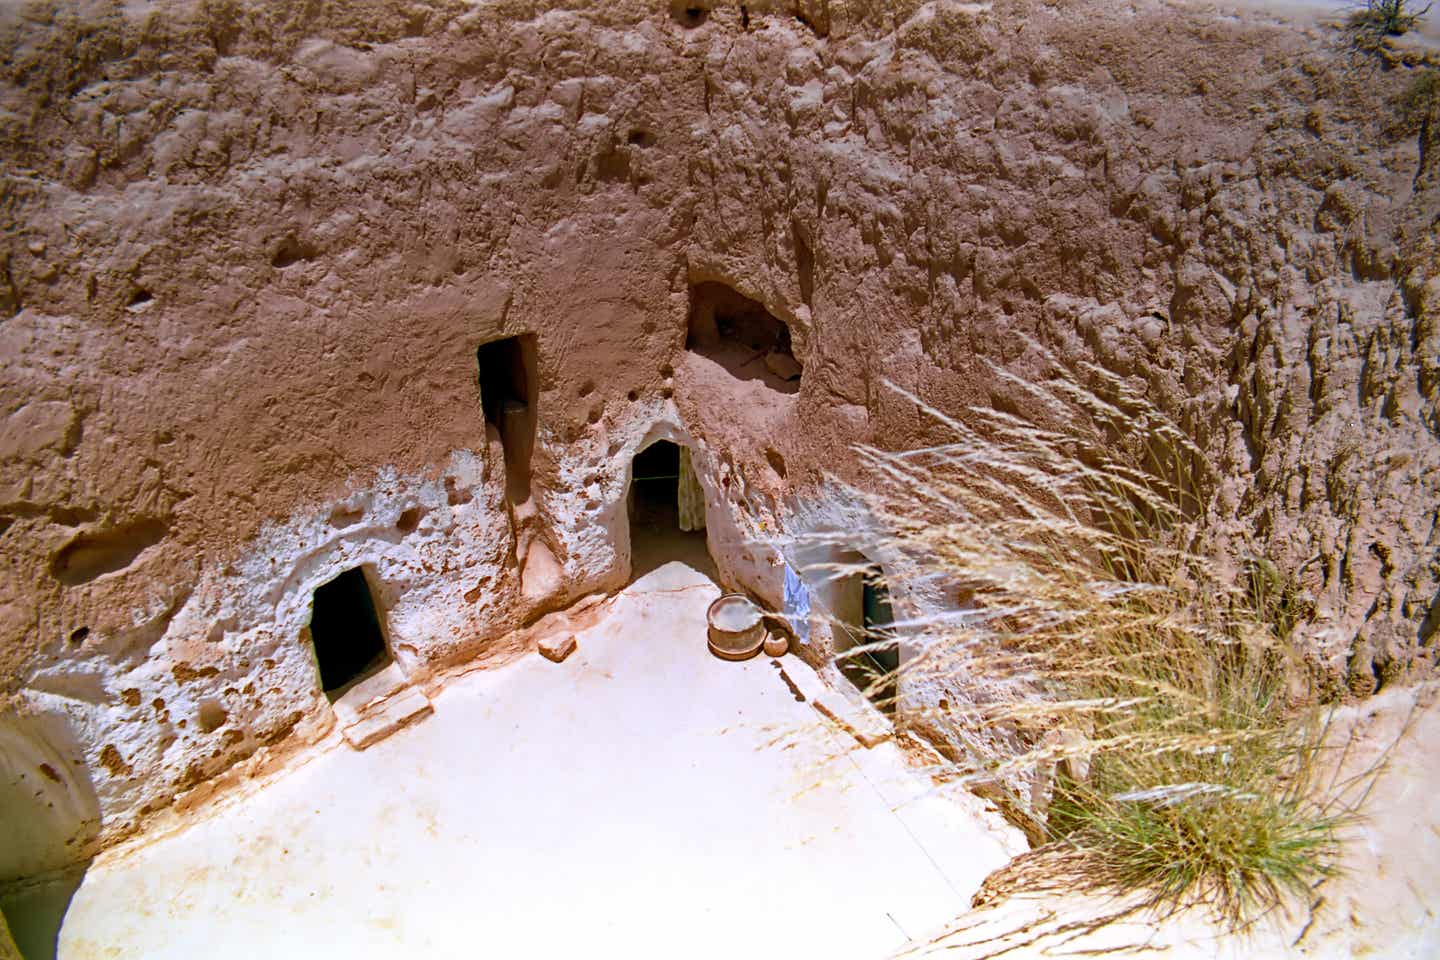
x=251, y=256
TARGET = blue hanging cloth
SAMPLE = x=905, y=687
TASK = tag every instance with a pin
x=797, y=605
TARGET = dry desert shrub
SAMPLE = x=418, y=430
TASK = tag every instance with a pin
x=1128, y=696
x=1370, y=26
x=1389, y=17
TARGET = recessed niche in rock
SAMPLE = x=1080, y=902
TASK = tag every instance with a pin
x=211, y=716
x=94, y=554
x=508, y=392
x=742, y=336
x=290, y=252
x=346, y=632
x=409, y=519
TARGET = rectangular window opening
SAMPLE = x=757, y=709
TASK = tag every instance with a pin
x=508, y=378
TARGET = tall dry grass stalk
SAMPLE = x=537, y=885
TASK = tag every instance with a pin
x=1123, y=692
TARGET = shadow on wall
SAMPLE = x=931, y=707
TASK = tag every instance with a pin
x=36, y=911
x=49, y=813
x=744, y=338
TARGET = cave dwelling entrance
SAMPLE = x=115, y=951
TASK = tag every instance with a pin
x=867, y=650
x=666, y=505
x=346, y=633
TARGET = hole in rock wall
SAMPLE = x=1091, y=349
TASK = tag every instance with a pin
x=346, y=632
x=667, y=511
x=688, y=13
x=212, y=716
x=860, y=604
x=741, y=336
x=290, y=252
x=508, y=394
x=409, y=520
x=345, y=516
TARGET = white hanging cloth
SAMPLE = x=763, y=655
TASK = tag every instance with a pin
x=691, y=495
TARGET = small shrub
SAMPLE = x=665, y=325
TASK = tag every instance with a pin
x=1370, y=29
x=1276, y=599
x=1390, y=17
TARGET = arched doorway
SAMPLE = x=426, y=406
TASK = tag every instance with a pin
x=667, y=511
x=49, y=816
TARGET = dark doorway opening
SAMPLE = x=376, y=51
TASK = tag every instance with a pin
x=508, y=394
x=873, y=669
x=346, y=632
x=657, y=534
x=742, y=336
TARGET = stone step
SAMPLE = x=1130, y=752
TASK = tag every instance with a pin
x=355, y=701
x=381, y=718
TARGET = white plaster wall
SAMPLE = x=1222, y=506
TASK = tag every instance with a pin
x=448, y=591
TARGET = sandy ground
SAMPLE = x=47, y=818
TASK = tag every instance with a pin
x=1384, y=904
x=630, y=801
x=644, y=799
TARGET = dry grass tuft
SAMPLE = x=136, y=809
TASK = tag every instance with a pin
x=1125, y=694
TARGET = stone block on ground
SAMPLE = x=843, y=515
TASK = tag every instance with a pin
x=557, y=648
x=386, y=717
x=355, y=701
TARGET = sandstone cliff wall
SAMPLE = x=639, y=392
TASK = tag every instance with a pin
x=250, y=252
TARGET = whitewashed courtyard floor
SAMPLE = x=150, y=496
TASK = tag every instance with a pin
x=627, y=802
